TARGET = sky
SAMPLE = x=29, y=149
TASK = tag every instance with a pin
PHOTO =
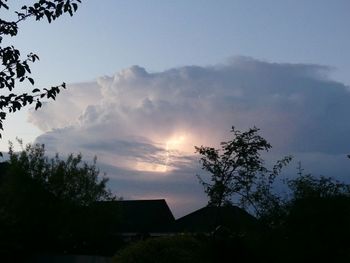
x=149, y=80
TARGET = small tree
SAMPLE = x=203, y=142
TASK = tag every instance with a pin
x=238, y=171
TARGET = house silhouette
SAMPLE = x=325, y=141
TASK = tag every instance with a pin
x=138, y=219
x=210, y=219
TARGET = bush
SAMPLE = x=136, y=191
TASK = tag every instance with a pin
x=177, y=249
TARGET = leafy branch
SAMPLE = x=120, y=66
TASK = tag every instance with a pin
x=16, y=69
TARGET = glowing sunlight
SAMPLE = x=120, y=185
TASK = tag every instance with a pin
x=173, y=147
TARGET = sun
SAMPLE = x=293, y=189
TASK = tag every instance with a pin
x=175, y=143
x=172, y=146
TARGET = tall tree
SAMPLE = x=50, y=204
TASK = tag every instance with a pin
x=14, y=67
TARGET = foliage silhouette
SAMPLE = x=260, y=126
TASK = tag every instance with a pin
x=312, y=221
x=15, y=68
x=70, y=180
x=179, y=249
x=309, y=223
x=238, y=171
x=49, y=205
x=228, y=247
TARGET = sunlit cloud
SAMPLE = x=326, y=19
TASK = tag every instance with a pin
x=144, y=126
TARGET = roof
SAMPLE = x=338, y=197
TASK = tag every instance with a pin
x=208, y=218
x=142, y=216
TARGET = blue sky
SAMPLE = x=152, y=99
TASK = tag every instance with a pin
x=273, y=54
x=104, y=37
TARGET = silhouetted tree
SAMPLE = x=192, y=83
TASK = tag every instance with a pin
x=316, y=225
x=238, y=171
x=15, y=68
x=305, y=188
x=308, y=186
x=70, y=180
x=50, y=204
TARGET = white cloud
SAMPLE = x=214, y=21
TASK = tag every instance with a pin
x=136, y=120
x=69, y=106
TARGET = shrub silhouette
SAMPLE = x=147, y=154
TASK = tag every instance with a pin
x=179, y=249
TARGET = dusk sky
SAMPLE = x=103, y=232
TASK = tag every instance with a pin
x=149, y=80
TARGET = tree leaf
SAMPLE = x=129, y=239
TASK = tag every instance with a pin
x=31, y=81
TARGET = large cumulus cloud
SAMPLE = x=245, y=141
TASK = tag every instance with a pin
x=143, y=126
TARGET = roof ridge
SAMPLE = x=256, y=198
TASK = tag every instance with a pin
x=141, y=200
